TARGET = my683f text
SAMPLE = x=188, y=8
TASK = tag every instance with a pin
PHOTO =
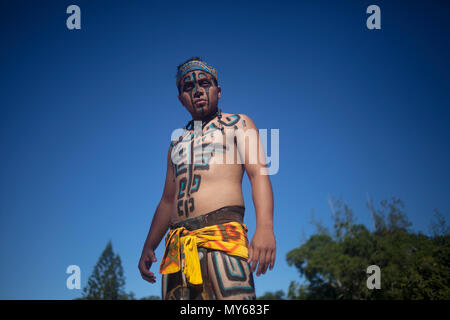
x=244, y=309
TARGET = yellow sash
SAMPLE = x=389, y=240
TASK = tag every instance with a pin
x=181, y=246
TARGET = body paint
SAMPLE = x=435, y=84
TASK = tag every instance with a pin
x=195, y=88
x=200, y=76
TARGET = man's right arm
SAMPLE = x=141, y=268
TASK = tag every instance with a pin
x=160, y=223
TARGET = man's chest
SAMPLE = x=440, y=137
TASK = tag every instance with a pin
x=204, y=150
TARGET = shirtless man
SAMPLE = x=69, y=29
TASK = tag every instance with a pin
x=207, y=254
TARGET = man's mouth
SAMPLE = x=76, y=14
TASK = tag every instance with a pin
x=200, y=102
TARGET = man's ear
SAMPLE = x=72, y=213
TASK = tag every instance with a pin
x=181, y=101
x=219, y=92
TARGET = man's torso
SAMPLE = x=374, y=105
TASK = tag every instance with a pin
x=207, y=170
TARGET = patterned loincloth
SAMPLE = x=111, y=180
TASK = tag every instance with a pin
x=208, y=261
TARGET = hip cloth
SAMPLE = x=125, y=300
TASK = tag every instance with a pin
x=206, y=258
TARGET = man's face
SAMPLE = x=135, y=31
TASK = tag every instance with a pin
x=199, y=94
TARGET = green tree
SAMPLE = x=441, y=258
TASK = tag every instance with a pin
x=107, y=281
x=438, y=226
x=334, y=264
x=151, y=298
x=277, y=295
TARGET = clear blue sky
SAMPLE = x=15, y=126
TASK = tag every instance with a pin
x=86, y=117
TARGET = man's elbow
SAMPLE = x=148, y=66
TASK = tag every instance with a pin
x=257, y=175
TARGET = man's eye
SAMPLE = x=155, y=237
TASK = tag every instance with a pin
x=187, y=86
x=205, y=83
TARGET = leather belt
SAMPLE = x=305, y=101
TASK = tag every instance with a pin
x=219, y=216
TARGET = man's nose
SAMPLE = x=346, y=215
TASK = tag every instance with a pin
x=197, y=91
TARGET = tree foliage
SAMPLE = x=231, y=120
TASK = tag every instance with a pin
x=277, y=295
x=107, y=281
x=334, y=264
x=152, y=297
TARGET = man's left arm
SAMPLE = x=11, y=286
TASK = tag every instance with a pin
x=262, y=246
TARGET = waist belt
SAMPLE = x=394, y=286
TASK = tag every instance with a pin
x=209, y=231
x=219, y=216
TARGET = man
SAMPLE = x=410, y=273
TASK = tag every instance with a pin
x=207, y=254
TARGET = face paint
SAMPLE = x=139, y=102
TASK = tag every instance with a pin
x=190, y=87
x=192, y=84
x=195, y=91
x=206, y=83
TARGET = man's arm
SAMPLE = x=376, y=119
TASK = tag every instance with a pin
x=160, y=224
x=262, y=247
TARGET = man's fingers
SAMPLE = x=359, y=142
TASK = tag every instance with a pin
x=262, y=262
x=149, y=279
x=272, y=259
x=147, y=275
x=250, y=255
x=266, y=260
x=255, y=259
x=144, y=266
x=146, y=261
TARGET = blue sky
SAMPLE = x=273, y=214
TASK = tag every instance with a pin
x=86, y=117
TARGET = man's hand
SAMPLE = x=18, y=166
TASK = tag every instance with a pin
x=146, y=261
x=262, y=250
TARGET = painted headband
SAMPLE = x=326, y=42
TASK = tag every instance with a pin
x=195, y=65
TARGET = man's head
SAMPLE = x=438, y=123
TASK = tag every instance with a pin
x=198, y=89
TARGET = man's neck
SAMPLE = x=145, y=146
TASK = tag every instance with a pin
x=204, y=119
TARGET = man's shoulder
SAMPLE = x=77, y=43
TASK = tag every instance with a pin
x=240, y=115
x=178, y=138
x=237, y=120
x=240, y=120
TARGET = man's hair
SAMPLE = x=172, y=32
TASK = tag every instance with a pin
x=189, y=60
